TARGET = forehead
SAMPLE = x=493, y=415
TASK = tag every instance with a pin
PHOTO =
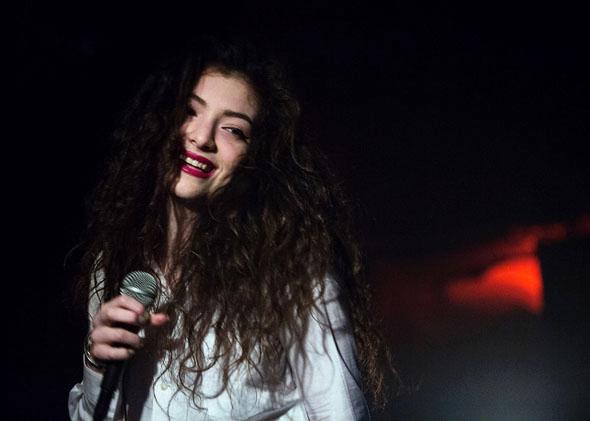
x=228, y=91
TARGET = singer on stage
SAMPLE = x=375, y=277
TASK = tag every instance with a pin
x=261, y=311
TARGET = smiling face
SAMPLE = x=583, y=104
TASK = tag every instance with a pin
x=216, y=133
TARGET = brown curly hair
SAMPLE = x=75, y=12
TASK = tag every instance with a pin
x=252, y=263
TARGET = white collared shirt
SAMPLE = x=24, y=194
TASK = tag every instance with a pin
x=319, y=382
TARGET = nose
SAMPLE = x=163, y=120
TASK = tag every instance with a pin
x=202, y=134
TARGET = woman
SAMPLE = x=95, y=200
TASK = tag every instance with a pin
x=262, y=314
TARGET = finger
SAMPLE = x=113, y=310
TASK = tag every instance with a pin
x=129, y=303
x=115, y=336
x=159, y=319
x=110, y=315
x=109, y=353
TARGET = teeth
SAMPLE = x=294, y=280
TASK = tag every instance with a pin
x=195, y=163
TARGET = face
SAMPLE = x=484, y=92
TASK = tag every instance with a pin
x=216, y=133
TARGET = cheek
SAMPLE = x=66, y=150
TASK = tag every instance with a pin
x=184, y=129
x=233, y=155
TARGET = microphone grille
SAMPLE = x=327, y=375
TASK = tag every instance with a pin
x=140, y=285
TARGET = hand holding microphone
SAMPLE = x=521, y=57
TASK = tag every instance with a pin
x=114, y=335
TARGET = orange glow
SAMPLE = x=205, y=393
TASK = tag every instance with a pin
x=424, y=297
x=507, y=285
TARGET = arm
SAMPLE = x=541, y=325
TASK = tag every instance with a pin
x=324, y=364
x=114, y=329
x=84, y=395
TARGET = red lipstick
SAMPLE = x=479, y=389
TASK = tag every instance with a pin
x=196, y=165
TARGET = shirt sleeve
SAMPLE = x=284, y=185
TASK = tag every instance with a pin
x=84, y=395
x=324, y=364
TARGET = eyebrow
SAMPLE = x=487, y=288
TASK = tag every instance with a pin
x=228, y=113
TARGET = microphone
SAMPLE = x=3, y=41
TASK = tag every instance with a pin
x=144, y=288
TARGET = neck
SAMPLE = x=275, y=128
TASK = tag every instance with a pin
x=181, y=221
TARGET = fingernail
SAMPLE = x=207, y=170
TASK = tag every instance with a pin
x=142, y=319
x=131, y=352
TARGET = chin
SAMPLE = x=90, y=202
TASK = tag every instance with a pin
x=188, y=194
x=193, y=203
x=188, y=191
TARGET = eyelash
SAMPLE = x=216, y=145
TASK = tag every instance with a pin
x=239, y=134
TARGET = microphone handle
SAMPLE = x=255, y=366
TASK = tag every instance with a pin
x=108, y=386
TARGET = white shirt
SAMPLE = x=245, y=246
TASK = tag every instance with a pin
x=320, y=382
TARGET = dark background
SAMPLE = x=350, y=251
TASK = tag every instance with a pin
x=448, y=124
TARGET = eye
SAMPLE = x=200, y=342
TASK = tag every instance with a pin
x=237, y=133
x=190, y=111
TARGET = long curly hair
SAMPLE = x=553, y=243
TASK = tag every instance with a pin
x=253, y=262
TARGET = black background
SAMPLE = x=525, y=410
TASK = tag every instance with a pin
x=448, y=125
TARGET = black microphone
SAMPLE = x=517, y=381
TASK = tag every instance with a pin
x=144, y=288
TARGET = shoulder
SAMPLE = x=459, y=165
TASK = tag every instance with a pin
x=329, y=309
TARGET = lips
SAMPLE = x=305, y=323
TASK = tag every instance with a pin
x=196, y=165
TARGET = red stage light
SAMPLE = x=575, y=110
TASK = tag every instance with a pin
x=508, y=285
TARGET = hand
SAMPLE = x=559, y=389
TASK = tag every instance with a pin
x=115, y=326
